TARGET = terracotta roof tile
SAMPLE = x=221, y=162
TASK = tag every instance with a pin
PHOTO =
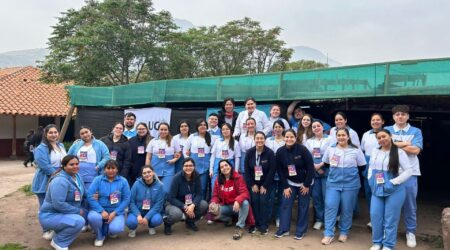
x=22, y=93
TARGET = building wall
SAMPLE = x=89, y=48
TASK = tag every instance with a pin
x=23, y=125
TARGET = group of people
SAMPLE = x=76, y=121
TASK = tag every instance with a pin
x=250, y=168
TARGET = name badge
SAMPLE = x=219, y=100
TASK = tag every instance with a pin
x=162, y=153
x=113, y=155
x=114, y=198
x=292, y=170
x=141, y=150
x=83, y=155
x=146, y=204
x=316, y=153
x=77, y=195
x=225, y=154
x=258, y=173
x=188, y=199
x=335, y=160
x=380, y=178
x=201, y=152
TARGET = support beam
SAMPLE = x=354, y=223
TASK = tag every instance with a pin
x=14, y=139
x=66, y=123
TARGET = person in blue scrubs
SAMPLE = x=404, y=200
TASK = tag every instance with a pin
x=61, y=210
x=181, y=140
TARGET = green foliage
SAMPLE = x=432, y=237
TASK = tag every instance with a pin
x=302, y=65
x=67, y=144
x=12, y=246
x=26, y=189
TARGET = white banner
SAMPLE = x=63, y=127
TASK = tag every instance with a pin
x=152, y=117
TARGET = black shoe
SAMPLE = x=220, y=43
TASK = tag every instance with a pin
x=263, y=231
x=252, y=230
x=192, y=226
x=25, y=164
x=167, y=228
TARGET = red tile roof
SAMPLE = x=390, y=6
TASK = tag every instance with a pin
x=21, y=93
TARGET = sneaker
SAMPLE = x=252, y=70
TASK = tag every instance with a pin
x=264, y=231
x=299, y=236
x=99, y=243
x=112, y=236
x=237, y=233
x=132, y=233
x=167, y=229
x=183, y=217
x=327, y=240
x=252, y=230
x=343, y=238
x=84, y=229
x=280, y=233
x=56, y=247
x=48, y=235
x=228, y=223
x=192, y=226
x=410, y=240
x=386, y=248
x=151, y=231
x=317, y=225
x=209, y=222
x=375, y=247
x=369, y=225
x=277, y=222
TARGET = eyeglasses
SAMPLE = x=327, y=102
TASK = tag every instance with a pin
x=188, y=166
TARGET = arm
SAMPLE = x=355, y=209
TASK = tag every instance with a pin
x=266, y=123
x=72, y=150
x=158, y=204
x=243, y=193
x=133, y=207
x=104, y=155
x=58, y=191
x=406, y=166
x=94, y=188
x=249, y=177
x=290, y=109
x=272, y=169
x=237, y=128
x=172, y=195
x=309, y=165
x=42, y=159
x=237, y=156
x=125, y=197
x=212, y=159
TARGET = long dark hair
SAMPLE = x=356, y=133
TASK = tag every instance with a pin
x=350, y=143
x=225, y=102
x=231, y=142
x=394, y=161
x=195, y=174
x=169, y=136
x=207, y=134
x=88, y=128
x=44, y=136
x=222, y=178
x=148, y=136
x=187, y=123
x=302, y=130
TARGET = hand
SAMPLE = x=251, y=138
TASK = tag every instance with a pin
x=111, y=217
x=95, y=196
x=177, y=155
x=320, y=171
x=236, y=207
x=105, y=215
x=144, y=221
x=287, y=192
x=81, y=212
x=140, y=220
x=255, y=189
x=262, y=190
x=304, y=190
x=317, y=166
x=96, y=168
x=210, y=174
x=172, y=161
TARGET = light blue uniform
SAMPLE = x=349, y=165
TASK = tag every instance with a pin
x=60, y=211
x=277, y=190
x=161, y=153
x=181, y=143
x=130, y=133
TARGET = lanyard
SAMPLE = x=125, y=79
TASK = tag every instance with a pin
x=258, y=158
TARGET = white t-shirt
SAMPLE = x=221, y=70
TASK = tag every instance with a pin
x=344, y=158
x=246, y=142
x=160, y=148
x=353, y=136
x=181, y=142
x=262, y=123
x=273, y=144
x=312, y=144
x=56, y=156
x=369, y=142
x=87, y=154
x=194, y=142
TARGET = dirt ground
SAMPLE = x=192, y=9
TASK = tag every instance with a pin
x=19, y=224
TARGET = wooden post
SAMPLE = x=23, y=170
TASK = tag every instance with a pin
x=14, y=139
x=66, y=123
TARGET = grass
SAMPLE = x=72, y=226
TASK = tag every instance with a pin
x=27, y=190
x=435, y=241
x=12, y=246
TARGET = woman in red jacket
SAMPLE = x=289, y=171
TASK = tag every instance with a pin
x=231, y=196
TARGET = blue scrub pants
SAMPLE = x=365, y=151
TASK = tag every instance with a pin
x=385, y=215
x=101, y=228
x=66, y=226
x=302, y=211
x=410, y=205
x=260, y=205
x=335, y=199
x=275, y=199
x=166, y=181
x=204, y=182
x=132, y=222
x=367, y=190
x=318, y=194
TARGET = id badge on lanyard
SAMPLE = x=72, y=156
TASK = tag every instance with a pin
x=316, y=153
x=335, y=160
x=292, y=170
x=380, y=178
x=258, y=173
x=113, y=155
x=77, y=196
x=114, y=198
x=162, y=153
x=83, y=155
x=225, y=154
x=146, y=204
x=141, y=150
x=188, y=199
x=201, y=152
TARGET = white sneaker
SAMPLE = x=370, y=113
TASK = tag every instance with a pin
x=386, y=248
x=151, y=231
x=99, y=243
x=375, y=247
x=183, y=217
x=277, y=222
x=48, y=235
x=369, y=225
x=56, y=247
x=132, y=233
x=84, y=229
x=317, y=225
x=209, y=222
x=410, y=240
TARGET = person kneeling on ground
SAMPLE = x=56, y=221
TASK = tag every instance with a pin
x=185, y=198
x=232, y=196
x=147, y=198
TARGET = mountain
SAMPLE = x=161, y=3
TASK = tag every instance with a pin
x=183, y=24
x=22, y=57
x=307, y=53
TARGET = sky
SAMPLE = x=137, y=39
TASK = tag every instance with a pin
x=349, y=31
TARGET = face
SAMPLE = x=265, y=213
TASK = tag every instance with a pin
x=298, y=114
x=129, y=121
x=184, y=128
x=250, y=106
x=226, y=132
x=317, y=128
x=188, y=167
x=277, y=129
x=147, y=174
x=85, y=134
x=111, y=171
x=229, y=106
x=72, y=167
x=289, y=138
x=141, y=130
x=401, y=118
x=340, y=121
x=384, y=139
x=202, y=127
x=275, y=112
x=118, y=130
x=260, y=140
x=376, y=122
x=342, y=137
x=306, y=121
x=225, y=168
x=213, y=121
x=52, y=135
x=250, y=125
x=163, y=131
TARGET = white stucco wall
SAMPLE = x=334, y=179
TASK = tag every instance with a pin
x=23, y=125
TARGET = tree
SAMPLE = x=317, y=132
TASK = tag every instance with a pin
x=300, y=65
x=107, y=43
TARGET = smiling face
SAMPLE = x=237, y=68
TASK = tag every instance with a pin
x=289, y=138
x=129, y=121
x=213, y=121
x=260, y=140
x=317, y=128
x=85, y=134
x=163, y=131
x=250, y=106
x=72, y=167
x=118, y=130
x=401, y=118
x=277, y=129
x=376, y=122
x=202, y=127
x=147, y=174
x=275, y=112
x=340, y=121
x=188, y=168
x=184, y=129
x=141, y=130
x=226, y=132
x=225, y=168
x=384, y=139
x=52, y=135
x=250, y=125
x=342, y=137
x=298, y=114
x=306, y=121
x=229, y=106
